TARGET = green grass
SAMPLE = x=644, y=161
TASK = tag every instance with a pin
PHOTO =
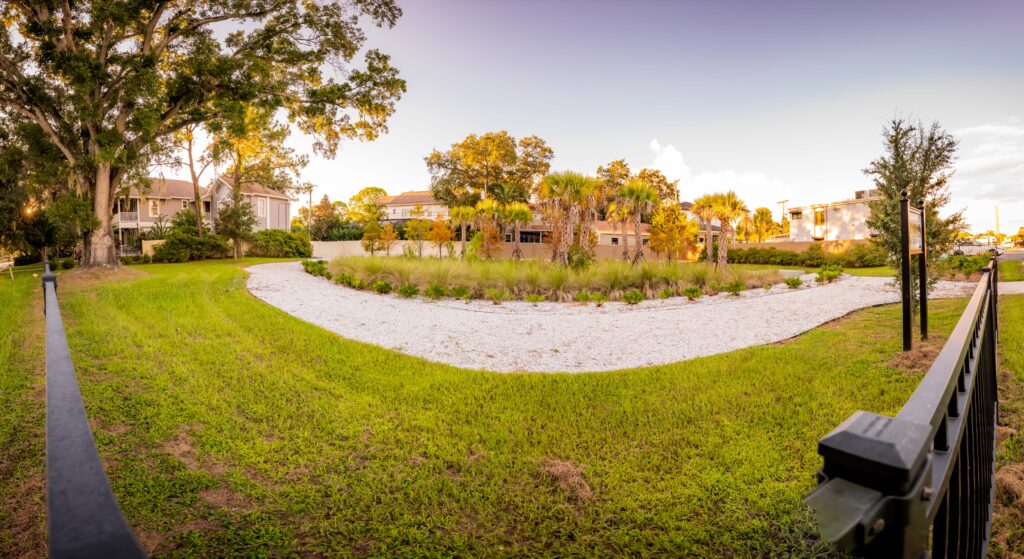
x=1011, y=270
x=232, y=429
x=879, y=271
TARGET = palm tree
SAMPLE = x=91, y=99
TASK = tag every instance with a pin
x=619, y=212
x=746, y=225
x=728, y=209
x=642, y=198
x=704, y=209
x=488, y=212
x=516, y=214
x=763, y=223
x=505, y=194
x=566, y=196
x=462, y=216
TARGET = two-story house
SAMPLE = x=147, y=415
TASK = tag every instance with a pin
x=399, y=208
x=271, y=208
x=834, y=221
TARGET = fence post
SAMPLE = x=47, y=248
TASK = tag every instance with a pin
x=922, y=272
x=905, y=278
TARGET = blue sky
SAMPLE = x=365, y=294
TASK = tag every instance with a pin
x=779, y=100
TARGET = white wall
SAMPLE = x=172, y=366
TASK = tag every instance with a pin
x=842, y=223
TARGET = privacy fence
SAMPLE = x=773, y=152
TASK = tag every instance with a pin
x=922, y=482
x=84, y=519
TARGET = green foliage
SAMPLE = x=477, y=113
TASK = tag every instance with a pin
x=858, y=256
x=315, y=267
x=67, y=263
x=408, y=291
x=692, y=292
x=180, y=246
x=733, y=287
x=235, y=221
x=535, y=298
x=478, y=163
x=344, y=279
x=276, y=243
x=582, y=297
x=829, y=273
x=382, y=286
x=435, y=291
x=633, y=296
x=599, y=298
x=460, y=292
x=962, y=265
x=666, y=293
x=794, y=283
x=497, y=296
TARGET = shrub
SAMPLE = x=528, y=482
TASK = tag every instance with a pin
x=408, y=291
x=961, y=264
x=734, y=287
x=127, y=260
x=435, y=291
x=829, y=273
x=583, y=297
x=864, y=256
x=459, y=292
x=692, y=292
x=598, y=298
x=276, y=243
x=359, y=284
x=26, y=259
x=315, y=267
x=496, y=296
x=815, y=256
x=535, y=298
x=666, y=292
x=67, y=263
x=794, y=283
x=382, y=286
x=181, y=246
x=343, y=278
x=633, y=296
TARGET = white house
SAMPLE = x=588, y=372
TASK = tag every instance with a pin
x=399, y=207
x=272, y=208
x=834, y=221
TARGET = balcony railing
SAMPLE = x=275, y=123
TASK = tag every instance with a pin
x=126, y=217
x=922, y=481
x=83, y=517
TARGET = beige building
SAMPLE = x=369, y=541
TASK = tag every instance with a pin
x=834, y=221
x=400, y=207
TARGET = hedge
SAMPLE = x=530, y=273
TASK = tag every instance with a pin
x=276, y=243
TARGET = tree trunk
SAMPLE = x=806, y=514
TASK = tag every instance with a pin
x=99, y=243
x=639, y=238
x=723, y=247
x=195, y=189
x=625, y=239
x=462, y=242
x=708, y=245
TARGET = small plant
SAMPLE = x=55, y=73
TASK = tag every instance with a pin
x=535, y=298
x=666, y=292
x=408, y=291
x=633, y=296
x=496, y=296
x=382, y=286
x=767, y=287
x=358, y=284
x=733, y=287
x=583, y=297
x=692, y=292
x=345, y=279
x=599, y=298
x=829, y=272
x=459, y=292
x=435, y=291
x=67, y=263
x=794, y=283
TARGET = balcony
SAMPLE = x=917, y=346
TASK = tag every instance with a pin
x=126, y=220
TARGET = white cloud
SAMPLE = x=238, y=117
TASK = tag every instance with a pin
x=755, y=188
x=990, y=173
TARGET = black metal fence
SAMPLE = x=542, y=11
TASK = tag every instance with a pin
x=922, y=481
x=84, y=520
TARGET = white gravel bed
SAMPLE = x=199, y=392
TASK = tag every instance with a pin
x=561, y=337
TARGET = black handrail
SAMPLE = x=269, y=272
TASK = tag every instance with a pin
x=84, y=520
x=899, y=487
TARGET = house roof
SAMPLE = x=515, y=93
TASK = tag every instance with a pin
x=167, y=188
x=254, y=188
x=410, y=198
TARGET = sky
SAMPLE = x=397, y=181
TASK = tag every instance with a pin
x=780, y=100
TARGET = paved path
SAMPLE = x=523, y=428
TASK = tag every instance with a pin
x=559, y=337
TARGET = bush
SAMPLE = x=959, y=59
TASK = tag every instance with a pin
x=180, y=246
x=408, y=291
x=692, y=292
x=67, y=263
x=583, y=297
x=344, y=279
x=865, y=256
x=459, y=292
x=733, y=287
x=275, y=243
x=496, y=296
x=382, y=286
x=666, y=292
x=815, y=256
x=598, y=298
x=633, y=296
x=359, y=284
x=829, y=273
x=435, y=291
x=960, y=264
x=794, y=283
x=26, y=259
x=535, y=298
x=315, y=267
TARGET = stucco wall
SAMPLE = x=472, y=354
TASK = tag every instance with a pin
x=844, y=222
x=829, y=246
x=333, y=249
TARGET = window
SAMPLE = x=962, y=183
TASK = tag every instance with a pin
x=154, y=208
x=206, y=207
x=819, y=217
x=645, y=241
x=795, y=216
x=184, y=204
x=261, y=207
x=615, y=240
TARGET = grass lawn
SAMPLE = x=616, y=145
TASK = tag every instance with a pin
x=232, y=429
x=1011, y=270
x=879, y=271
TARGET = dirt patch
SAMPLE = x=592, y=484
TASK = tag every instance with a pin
x=225, y=498
x=918, y=360
x=1010, y=486
x=182, y=448
x=568, y=478
x=81, y=279
x=1003, y=432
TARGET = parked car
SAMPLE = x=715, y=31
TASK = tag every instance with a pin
x=970, y=248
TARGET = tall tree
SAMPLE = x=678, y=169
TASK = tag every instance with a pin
x=672, y=234
x=918, y=159
x=417, y=228
x=440, y=234
x=668, y=191
x=109, y=81
x=613, y=177
x=517, y=214
x=704, y=209
x=197, y=163
x=464, y=174
x=729, y=209
x=568, y=198
x=764, y=224
x=365, y=206
x=642, y=198
x=463, y=217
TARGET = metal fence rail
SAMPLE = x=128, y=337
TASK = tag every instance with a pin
x=923, y=481
x=84, y=519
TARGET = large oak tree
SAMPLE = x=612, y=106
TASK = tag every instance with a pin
x=109, y=80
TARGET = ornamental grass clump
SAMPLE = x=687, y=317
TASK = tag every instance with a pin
x=496, y=295
x=582, y=297
x=666, y=292
x=692, y=292
x=382, y=286
x=633, y=296
x=794, y=283
x=435, y=291
x=408, y=291
x=599, y=298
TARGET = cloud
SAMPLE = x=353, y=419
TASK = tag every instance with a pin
x=755, y=188
x=990, y=174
